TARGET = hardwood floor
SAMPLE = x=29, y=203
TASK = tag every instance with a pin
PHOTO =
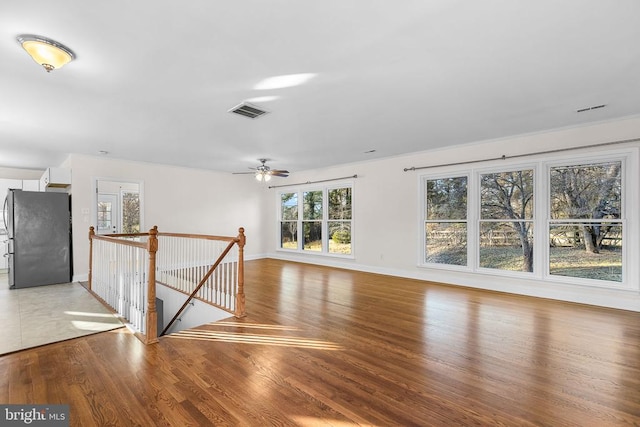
x=331, y=347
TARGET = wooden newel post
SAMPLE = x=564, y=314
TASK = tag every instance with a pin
x=92, y=232
x=152, y=315
x=240, y=302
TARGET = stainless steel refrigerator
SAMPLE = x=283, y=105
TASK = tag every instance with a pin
x=39, y=231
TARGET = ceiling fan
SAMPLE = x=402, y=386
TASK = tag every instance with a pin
x=264, y=172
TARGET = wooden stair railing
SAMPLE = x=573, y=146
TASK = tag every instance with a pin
x=147, y=330
x=241, y=297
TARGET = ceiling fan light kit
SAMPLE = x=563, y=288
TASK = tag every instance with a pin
x=46, y=52
x=263, y=176
x=263, y=173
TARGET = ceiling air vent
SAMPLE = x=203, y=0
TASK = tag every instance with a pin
x=248, y=110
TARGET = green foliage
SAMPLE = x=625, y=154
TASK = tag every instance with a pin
x=312, y=206
x=341, y=236
x=447, y=198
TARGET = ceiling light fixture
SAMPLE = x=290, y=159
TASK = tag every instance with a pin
x=46, y=52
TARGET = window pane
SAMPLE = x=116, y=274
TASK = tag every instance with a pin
x=312, y=235
x=289, y=206
x=570, y=256
x=447, y=198
x=130, y=212
x=289, y=235
x=312, y=205
x=340, y=237
x=340, y=203
x=586, y=191
x=446, y=243
x=507, y=195
x=507, y=245
x=104, y=215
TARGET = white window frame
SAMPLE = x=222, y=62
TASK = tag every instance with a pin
x=477, y=217
x=424, y=221
x=627, y=216
x=630, y=216
x=325, y=219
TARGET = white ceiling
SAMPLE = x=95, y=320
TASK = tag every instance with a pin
x=153, y=80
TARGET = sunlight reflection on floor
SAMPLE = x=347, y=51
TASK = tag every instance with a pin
x=257, y=326
x=83, y=313
x=310, y=421
x=244, y=338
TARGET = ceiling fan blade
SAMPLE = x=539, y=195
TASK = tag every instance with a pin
x=264, y=169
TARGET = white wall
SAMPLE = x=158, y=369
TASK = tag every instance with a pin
x=178, y=200
x=387, y=230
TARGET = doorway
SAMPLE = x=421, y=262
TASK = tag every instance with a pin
x=118, y=206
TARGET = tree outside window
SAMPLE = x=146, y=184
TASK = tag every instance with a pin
x=289, y=220
x=130, y=212
x=339, y=221
x=585, y=227
x=506, y=220
x=322, y=216
x=446, y=221
x=312, y=221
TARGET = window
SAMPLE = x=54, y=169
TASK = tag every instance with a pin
x=506, y=220
x=326, y=220
x=130, y=211
x=289, y=220
x=585, y=226
x=339, y=220
x=486, y=220
x=105, y=209
x=312, y=221
x=445, y=224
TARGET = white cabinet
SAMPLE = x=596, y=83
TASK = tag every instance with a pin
x=31, y=185
x=55, y=178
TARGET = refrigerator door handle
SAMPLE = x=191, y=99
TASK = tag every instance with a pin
x=10, y=246
x=4, y=212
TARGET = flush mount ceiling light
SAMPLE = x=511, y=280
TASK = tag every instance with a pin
x=46, y=52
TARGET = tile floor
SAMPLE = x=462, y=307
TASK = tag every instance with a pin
x=44, y=314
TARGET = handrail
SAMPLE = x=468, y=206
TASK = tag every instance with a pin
x=199, y=236
x=197, y=289
x=127, y=293
x=120, y=241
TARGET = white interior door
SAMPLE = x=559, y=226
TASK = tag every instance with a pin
x=108, y=214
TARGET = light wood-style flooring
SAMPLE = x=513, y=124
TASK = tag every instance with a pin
x=329, y=347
